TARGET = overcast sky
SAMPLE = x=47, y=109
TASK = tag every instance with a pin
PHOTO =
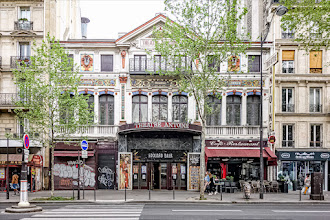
x=108, y=17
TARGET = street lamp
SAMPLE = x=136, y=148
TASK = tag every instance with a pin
x=280, y=10
x=7, y=165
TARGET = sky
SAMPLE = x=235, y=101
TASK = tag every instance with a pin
x=108, y=17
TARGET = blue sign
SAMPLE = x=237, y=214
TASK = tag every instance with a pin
x=84, y=145
x=26, y=141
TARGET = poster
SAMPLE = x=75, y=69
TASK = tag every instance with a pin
x=193, y=171
x=2, y=172
x=125, y=170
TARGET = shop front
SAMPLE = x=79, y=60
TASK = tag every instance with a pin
x=155, y=154
x=294, y=165
x=238, y=159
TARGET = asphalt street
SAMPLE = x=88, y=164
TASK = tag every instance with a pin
x=173, y=211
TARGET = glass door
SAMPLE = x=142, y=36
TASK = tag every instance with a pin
x=163, y=175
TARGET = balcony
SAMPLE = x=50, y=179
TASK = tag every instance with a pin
x=17, y=61
x=234, y=130
x=286, y=143
x=315, y=108
x=8, y=99
x=23, y=25
x=287, y=107
x=315, y=143
x=92, y=131
x=287, y=35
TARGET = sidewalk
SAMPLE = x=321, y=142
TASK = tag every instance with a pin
x=159, y=196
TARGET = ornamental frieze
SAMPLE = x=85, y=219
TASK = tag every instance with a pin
x=97, y=82
x=154, y=83
x=244, y=83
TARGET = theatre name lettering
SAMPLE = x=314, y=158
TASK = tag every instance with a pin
x=160, y=155
x=161, y=125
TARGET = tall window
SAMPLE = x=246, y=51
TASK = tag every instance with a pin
x=140, y=108
x=287, y=100
x=233, y=110
x=160, y=63
x=140, y=63
x=288, y=61
x=25, y=13
x=315, y=61
x=214, y=63
x=90, y=103
x=66, y=109
x=71, y=61
x=254, y=63
x=106, y=106
x=106, y=63
x=253, y=110
x=214, y=117
x=24, y=50
x=288, y=136
x=315, y=136
x=315, y=100
x=180, y=106
x=287, y=33
x=159, y=108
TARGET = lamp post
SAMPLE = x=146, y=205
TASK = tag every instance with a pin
x=7, y=162
x=280, y=10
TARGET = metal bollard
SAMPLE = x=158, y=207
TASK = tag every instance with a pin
x=173, y=189
x=125, y=193
x=94, y=194
x=220, y=192
x=299, y=193
x=149, y=191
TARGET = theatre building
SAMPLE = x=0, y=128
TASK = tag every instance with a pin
x=156, y=154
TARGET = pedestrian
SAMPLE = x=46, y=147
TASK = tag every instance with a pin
x=14, y=181
x=212, y=186
x=207, y=182
x=307, y=183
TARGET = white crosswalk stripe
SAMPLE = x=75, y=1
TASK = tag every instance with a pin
x=74, y=212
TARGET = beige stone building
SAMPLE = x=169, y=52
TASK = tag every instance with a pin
x=302, y=107
x=22, y=23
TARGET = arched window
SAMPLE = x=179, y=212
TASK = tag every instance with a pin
x=90, y=102
x=214, y=117
x=233, y=110
x=140, y=108
x=106, y=109
x=253, y=110
x=180, y=106
x=66, y=108
x=159, y=108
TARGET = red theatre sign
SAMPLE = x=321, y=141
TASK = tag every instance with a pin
x=161, y=125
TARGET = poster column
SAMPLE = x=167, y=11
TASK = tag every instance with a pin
x=125, y=170
x=193, y=171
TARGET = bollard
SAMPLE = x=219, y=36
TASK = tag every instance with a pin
x=94, y=194
x=125, y=193
x=299, y=193
x=220, y=192
x=72, y=191
x=173, y=189
x=149, y=191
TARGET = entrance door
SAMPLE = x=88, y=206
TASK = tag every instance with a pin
x=155, y=176
x=163, y=175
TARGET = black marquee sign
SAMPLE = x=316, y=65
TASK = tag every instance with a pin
x=159, y=155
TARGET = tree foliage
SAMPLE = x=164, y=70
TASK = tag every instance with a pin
x=203, y=34
x=49, y=98
x=310, y=20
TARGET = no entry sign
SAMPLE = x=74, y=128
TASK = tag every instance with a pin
x=26, y=141
x=84, y=145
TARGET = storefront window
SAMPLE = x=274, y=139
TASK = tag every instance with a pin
x=180, y=106
x=159, y=108
x=140, y=108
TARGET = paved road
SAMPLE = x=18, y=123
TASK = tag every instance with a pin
x=174, y=211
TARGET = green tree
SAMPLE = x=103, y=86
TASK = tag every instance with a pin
x=203, y=34
x=310, y=20
x=49, y=99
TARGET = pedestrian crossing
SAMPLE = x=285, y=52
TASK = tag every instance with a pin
x=74, y=212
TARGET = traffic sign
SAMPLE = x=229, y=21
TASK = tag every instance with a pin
x=26, y=155
x=271, y=139
x=84, y=154
x=26, y=141
x=84, y=145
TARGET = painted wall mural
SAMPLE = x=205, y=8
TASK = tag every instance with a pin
x=68, y=174
x=125, y=170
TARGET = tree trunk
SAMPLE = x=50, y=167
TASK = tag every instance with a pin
x=202, y=165
x=52, y=169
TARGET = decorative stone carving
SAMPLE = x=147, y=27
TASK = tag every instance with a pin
x=154, y=83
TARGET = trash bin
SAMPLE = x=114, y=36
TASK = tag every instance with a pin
x=285, y=188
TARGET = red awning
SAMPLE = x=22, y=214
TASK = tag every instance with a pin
x=239, y=153
x=71, y=153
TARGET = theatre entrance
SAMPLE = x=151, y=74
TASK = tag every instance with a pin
x=159, y=176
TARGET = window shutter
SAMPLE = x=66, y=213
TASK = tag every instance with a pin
x=315, y=59
x=288, y=55
x=107, y=63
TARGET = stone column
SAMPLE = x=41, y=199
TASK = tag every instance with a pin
x=170, y=108
x=244, y=109
x=149, y=106
x=223, y=109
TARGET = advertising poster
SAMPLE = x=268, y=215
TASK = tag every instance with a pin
x=193, y=171
x=125, y=170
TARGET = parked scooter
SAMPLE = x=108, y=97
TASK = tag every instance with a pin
x=247, y=190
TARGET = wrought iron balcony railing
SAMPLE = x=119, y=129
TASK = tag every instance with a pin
x=24, y=25
x=315, y=144
x=287, y=107
x=18, y=61
x=287, y=70
x=8, y=99
x=287, y=143
x=315, y=108
x=287, y=35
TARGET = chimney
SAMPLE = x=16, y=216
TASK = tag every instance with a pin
x=120, y=34
x=84, y=22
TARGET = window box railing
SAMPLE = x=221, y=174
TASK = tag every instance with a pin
x=8, y=99
x=315, y=144
x=23, y=25
x=17, y=61
x=287, y=143
x=233, y=130
x=287, y=35
x=287, y=70
x=315, y=108
x=287, y=107
x=91, y=131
